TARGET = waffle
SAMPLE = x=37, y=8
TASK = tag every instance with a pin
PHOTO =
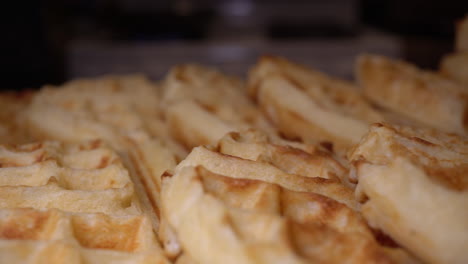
x=222, y=219
x=34, y=175
x=107, y=108
x=413, y=185
x=122, y=111
x=271, y=158
x=237, y=167
x=290, y=157
x=251, y=153
x=420, y=95
x=213, y=99
x=309, y=105
x=114, y=108
x=71, y=204
x=90, y=109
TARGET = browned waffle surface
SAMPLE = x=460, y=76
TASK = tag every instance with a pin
x=413, y=185
x=310, y=105
x=421, y=95
x=237, y=220
x=62, y=203
x=217, y=104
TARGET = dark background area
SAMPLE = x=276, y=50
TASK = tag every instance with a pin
x=53, y=41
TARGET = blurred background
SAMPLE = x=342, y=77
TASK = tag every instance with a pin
x=52, y=41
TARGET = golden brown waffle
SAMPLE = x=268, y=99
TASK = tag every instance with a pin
x=222, y=219
x=290, y=157
x=84, y=178
x=92, y=109
x=258, y=153
x=53, y=236
x=259, y=193
x=122, y=111
x=420, y=95
x=217, y=104
x=71, y=204
x=112, y=108
x=251, y=155
x=413, y=185
x=237, y=167
x=309, y=105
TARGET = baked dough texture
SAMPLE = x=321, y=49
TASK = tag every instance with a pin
x=423, y=96
x=413, y=185
x=62, y=203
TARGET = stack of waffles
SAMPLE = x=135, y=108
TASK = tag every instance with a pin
x=288, y=166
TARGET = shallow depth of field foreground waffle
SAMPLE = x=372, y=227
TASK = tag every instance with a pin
x=71, y=204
